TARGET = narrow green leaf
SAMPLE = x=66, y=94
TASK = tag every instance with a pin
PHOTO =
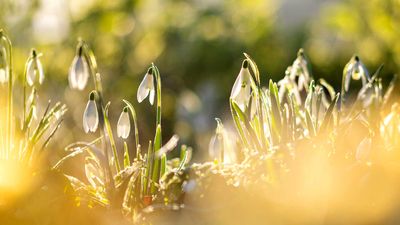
x=127, y=161
x=328, y=114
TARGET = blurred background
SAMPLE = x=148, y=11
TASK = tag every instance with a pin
x=198, y=46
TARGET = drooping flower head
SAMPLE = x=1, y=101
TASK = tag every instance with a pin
x=300, y=69
x=124, y=124
x=146, y=87
x=79, y=70
x=355, y=70
x=241, y=91
x=34, y=69
x=91, y=116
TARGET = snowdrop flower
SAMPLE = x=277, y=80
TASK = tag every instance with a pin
x=79, y=71
x=288, y=85
x=124, y=124
x=216, y=146
x=34, y=69
x=91, y=116
x=146, y=87
x=3, y=65
x=299, y=69
x=355, y=70
x=241, y=89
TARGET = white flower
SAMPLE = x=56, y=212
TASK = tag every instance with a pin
x=146, y=87
x=124, y=124
x=299, y=69
x=91, y=116
x=34, y=69
x=241, y=89
x=78, y=72
x=355, y=70
x=288, y=85
x=216, y=146
x=3, y=66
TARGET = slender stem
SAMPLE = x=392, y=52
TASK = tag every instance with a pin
x=10, y=91
x=24, y=91
x=158, y=83
x=100, y=108
x=158, y=135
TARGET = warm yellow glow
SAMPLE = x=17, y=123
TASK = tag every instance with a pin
x=15, y=181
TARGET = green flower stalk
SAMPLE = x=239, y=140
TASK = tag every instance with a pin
x=147, y=88
x=86, y=56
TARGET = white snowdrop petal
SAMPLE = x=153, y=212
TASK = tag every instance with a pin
x=348, y=75
x=143, y=90
x=90, y=117
x=72, y=74
x=294, y=69
x=3, y=66
x=124, y=125
x=81, y=73
x=78, y=73
x=241, y=89
x=39, y=70
x=3, y=75
x=151, y=96
x=237, y=86
x=30, y=72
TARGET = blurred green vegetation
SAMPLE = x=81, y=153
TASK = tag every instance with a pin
x=198, y=47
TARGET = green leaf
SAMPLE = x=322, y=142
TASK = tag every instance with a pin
x=156, y=167
x=328, y=114
x=111, y=139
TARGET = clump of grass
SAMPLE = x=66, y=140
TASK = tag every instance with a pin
x=26, y=128
x=26, y=134
x=306, y=145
